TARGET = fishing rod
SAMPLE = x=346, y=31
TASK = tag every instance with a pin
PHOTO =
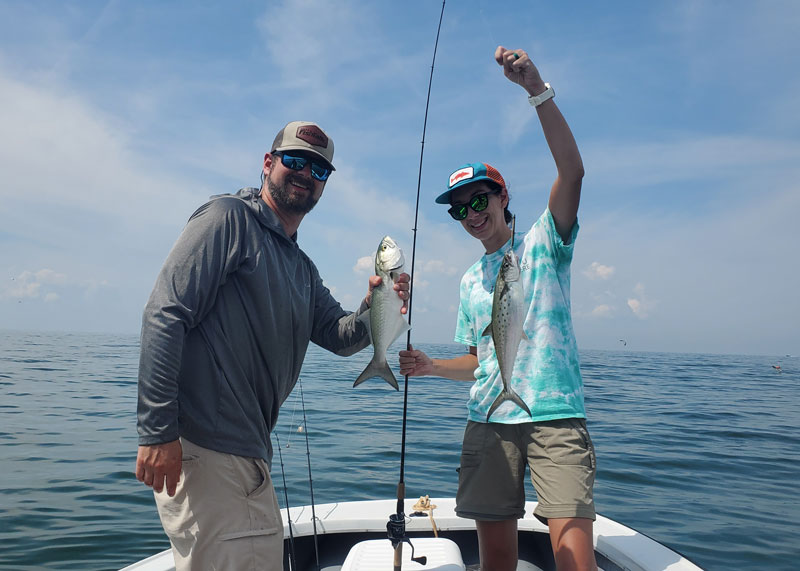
x=396, y=527
x=292, y=561
x=310, y=481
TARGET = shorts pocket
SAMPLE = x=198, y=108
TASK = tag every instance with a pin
x=567, y=442
x=262, y=505
x=176, y=514
x=253, y=477
x=472, y=449
x=262, y=516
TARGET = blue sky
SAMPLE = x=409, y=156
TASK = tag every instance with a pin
x=120, y=118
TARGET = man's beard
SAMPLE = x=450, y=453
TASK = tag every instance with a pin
x=294, y=202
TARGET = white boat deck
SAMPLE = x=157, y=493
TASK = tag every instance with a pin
x=625, y=547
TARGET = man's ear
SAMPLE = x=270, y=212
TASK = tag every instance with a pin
x=267, y=163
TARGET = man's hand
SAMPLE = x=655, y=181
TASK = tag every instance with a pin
x=160, y=462
x=401, y=286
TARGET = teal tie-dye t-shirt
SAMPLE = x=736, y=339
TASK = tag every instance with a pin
x=547, y=371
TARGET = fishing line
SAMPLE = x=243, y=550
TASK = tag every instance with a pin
x=292, y=561
x=310, y=480
x=396, y=526
x=414, y=243
x=291, y=425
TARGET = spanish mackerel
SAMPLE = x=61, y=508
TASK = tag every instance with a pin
x=508, y=314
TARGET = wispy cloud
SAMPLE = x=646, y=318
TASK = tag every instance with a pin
x=47, y=285
x=641, y=305
x=603, y=310
x=30, y=284
x=119, y=119
x=693, y=157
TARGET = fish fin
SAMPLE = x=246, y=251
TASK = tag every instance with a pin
x=488, y=330
x=516, y=399
x=511, y=395
x=375, y=369
x=497, y=402
x=400, y=327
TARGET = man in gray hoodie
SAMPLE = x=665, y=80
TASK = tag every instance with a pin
x=224, y=335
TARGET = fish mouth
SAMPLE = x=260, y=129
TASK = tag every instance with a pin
x=397, y=267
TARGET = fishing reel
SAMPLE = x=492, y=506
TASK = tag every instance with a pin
x=396, y=529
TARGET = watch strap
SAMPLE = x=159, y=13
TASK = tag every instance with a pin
x=537, y=100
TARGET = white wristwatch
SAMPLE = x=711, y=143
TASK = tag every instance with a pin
x=537, y=100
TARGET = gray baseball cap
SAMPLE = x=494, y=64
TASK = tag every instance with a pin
x=305, y=136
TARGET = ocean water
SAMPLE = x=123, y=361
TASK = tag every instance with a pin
x=700, y=452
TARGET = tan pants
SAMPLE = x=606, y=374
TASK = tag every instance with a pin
x=224, y=514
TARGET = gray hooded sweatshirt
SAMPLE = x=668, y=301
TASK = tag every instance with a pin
x=227, y=326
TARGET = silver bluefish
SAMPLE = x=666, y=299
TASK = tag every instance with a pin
x=383, y=319
x=508, y=314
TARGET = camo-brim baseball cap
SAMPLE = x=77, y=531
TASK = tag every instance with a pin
x=468, y=173
x=305, y=136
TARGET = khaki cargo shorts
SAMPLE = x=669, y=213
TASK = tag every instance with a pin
x=224, y=514
x=561, y=458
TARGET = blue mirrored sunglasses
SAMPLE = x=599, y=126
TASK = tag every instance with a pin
x=318, y=170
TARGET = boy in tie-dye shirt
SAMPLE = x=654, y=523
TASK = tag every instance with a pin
x=552, y=438
x=546, y=372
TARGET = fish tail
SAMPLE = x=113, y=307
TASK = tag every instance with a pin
x=505, y=395
x=376, y=368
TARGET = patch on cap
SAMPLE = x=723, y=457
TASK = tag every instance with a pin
x=461, y=174
x=305, y=136
x=467, y=174
x=313, y=135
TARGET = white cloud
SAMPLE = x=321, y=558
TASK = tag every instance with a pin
x=365, y=265
x=636, y=307
x=598, y=271
x=641, y=305
x=603, y=310
x=29, y=284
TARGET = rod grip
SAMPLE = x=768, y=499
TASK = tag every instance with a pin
x=398, y=557
x=401, y=495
